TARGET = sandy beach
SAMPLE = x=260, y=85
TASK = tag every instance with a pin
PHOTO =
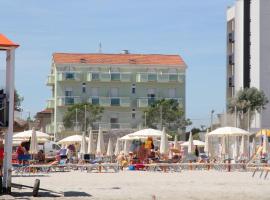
x=131, y=185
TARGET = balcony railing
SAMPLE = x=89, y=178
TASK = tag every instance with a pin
x=69, y=76
x=110, y=101
x=107, y=77
x=109, y=126
x=160, y=77
x=50, y=103
x=50, y=80
x=49, y=128
x=145, y=102
x=68, y=100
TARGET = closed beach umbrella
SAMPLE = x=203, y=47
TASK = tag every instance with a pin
x=254, y=147
x=243, y=148
x=100, y=143
x=206, y=144
x=164, y=145
x=236, y=148
x=83, y=144
x=117, y=147
x=126, y=150
x=110, y=148
x=223, y=146
x=91, y=148
x=190, y=144
x=175, y=144
x=33, y=143
x=265, y=145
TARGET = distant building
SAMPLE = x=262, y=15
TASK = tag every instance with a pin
x=248, y=48
x=124, y=84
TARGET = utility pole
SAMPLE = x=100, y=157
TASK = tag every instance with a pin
x=235, y=115
x=85, y=128
x=76, y=123
x=161, y=117
x=248, y=119
x=145, y=119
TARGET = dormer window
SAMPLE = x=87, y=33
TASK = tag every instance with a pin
x=83, y=60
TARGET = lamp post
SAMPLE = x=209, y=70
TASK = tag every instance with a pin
x=212, y=112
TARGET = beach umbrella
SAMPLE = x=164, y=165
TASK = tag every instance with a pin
x=73, y=139
x=164, y=144
x=175, y=144
x=126, y=150
x=254, y=146
x=263, y=132
x=265, y=145
x=33, y=143
x=100, y=143
x=128, y=137
x=117, y=147
x=236, y=148
x=190, y=144
x=25, y=135
x=223, y=146
x=206, y=144
x=91, y=148
x=195, y=143
x=243, y=147
x=229, y=131
x=110, y=148
x=83, y=148
x=144, y=133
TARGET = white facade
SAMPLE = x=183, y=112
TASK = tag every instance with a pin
x=259, y=52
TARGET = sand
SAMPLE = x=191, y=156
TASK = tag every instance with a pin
x=193, y=185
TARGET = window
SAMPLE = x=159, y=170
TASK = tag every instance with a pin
x=172, y=93
x=95, y=76
x=83, y=88
x=133, y=115
x=115, y=76
x=133, y=89
x=68, y=92
x=69, y=76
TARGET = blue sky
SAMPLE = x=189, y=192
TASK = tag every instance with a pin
x=194, y=29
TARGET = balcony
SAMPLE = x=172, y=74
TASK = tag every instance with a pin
x=231, y=59
x=50, y=103
x=50, y=80
x=231, y=37
x=159, y=77
x=108, y=77
x=69, y=76
x=110, y=101
x=110, y=126
x=231, y=81
x=145, y=102
x=68, y=100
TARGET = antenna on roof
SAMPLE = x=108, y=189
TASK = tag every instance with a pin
x=99, y=47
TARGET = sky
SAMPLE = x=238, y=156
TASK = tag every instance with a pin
x=194, y=29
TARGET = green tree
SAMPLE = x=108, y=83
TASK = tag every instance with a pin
x=166, y=113
x=93, y=114
x=18, y=101
x=248, y=101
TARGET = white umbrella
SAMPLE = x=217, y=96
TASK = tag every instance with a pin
x=83, y=148
x=164, y=145
x=147, y=133
x=236, y=148
x=126, y=150
x=33, y=143
x=265, y=145
x=128, y=137
x=175, y=144
x=117, y=147
x=254, y=147
x=243, y=148
x=110, y=148
x=73, y=139
x=195, y=143
x=190, y=144
x=229, y=131
x=25, y=135
x=206, y=144
x=100, y=143
x=91, y=149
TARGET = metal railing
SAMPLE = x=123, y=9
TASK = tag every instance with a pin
x=68, y=100
x=109, y=76
x=69, y=76
x=144, y=102
x=50, y=103
x=160, y=77
x=50, y=80
x=110, y=101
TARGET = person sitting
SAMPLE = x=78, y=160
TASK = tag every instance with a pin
x=41, y=156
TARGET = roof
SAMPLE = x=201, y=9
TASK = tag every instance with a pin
x=139, y=59
x=46, y=111
x=5, y=42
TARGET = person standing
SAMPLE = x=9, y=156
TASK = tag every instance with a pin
x=1, y=156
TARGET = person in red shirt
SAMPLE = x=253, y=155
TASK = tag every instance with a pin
x=20, y=151
x=1, y=155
